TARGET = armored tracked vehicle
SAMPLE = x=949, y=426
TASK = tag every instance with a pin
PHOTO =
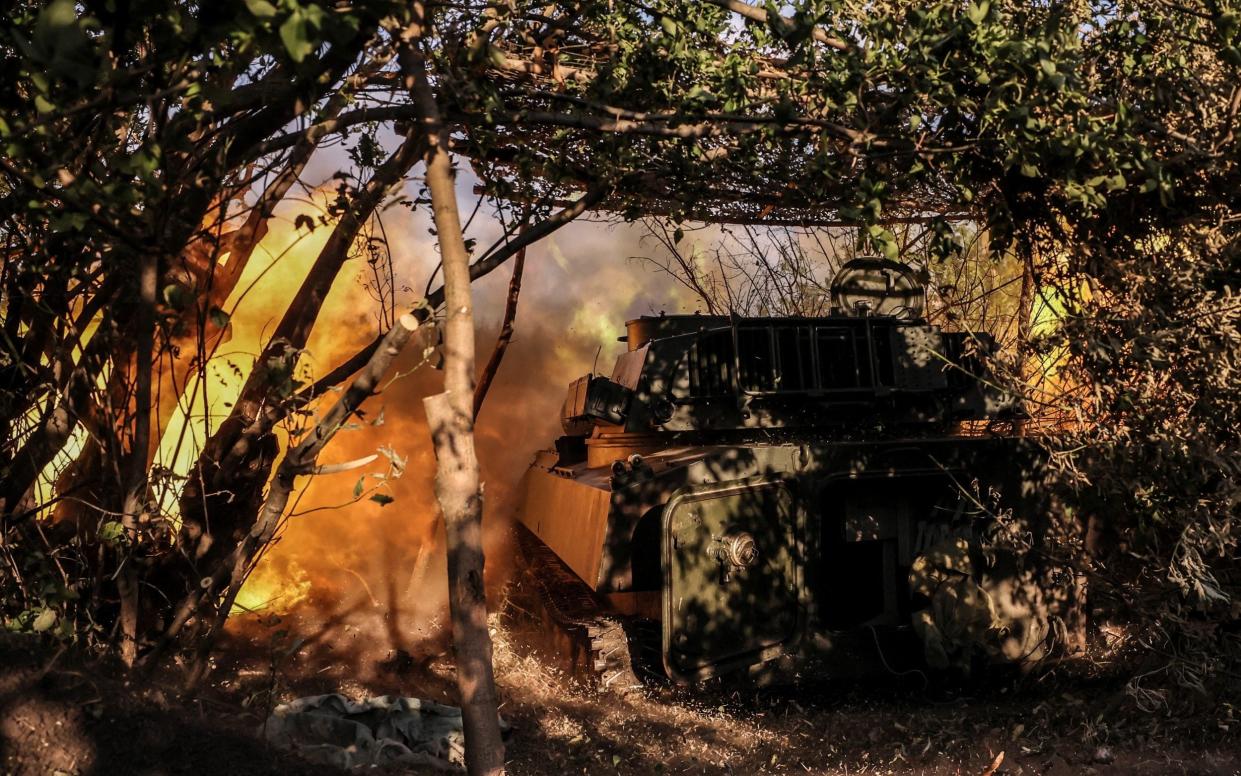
x=755, y=494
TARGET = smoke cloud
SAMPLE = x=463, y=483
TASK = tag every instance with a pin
x=366, y=581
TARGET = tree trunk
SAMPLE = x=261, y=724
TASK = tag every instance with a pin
x=451, y=419
x=506, y=334
x=1025, y=325
x=136, y=475
x=301, y=459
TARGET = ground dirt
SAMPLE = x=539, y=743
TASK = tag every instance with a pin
x=61, y=713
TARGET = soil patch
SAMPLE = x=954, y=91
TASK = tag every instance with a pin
x=63, y=715
x=71, y=716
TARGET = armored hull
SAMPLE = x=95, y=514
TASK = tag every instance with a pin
x=749, y=493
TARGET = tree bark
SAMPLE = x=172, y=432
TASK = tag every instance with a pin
x=451, y=418
x=135, y=493
x=506, y=334
x=1025, y=326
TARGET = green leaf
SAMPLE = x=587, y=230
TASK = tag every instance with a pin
x=177, y=296
x=69, y=221
x=261, y=8
x=45, y=620
x=295, y=34
x=39, y=80
x=890, y=249
x=144, y=161
x=382, y=499
x=357, y=489
x=56, y=16
x=218, y=317
x=111, y=532
x=885, y=241
x=1228, y=22
x=678, y=235
x=875, y=206
x=42, y=105
x=976, y=12
x=670, y=26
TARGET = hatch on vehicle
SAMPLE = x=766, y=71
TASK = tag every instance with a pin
x=732, y=587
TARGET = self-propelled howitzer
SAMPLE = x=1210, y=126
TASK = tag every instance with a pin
x=747, y=493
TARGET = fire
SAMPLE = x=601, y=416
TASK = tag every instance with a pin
x=274, y=589
x=278, y=265
x=377, y=570
x=346, y=565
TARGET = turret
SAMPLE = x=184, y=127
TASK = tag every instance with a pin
x=874, y=360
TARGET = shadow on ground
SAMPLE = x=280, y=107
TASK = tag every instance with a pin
x=60, y=715
x=65, y=716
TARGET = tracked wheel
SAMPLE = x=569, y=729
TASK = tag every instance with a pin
x=575, y=627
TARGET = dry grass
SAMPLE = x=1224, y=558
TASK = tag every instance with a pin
x=1060, y=723
x=1047, y=725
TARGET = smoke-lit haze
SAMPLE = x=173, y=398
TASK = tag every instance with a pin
x=363, y=579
